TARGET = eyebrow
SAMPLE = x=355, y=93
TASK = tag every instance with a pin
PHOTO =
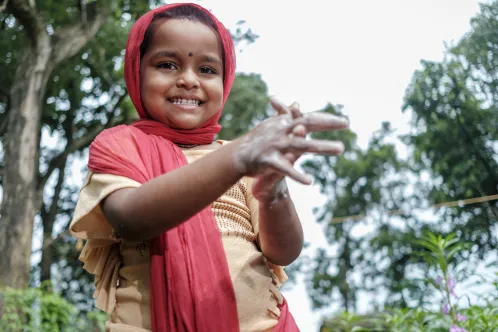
x=172, y=54
x=165, y=54
x=207, y=58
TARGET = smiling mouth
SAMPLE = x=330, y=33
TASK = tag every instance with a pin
x=181, y=101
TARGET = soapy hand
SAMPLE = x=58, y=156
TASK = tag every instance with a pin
x=271, y=186
x=269, y=151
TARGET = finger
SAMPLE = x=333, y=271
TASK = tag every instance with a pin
x=279, y=106
x=295, y=110
x=299, y=130
x=282, y=165
x=323, y=147
x=291, y=157
x=319, y=121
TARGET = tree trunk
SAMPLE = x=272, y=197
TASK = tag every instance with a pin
x=21, y=192
x=48, y=216
x=347, y=294
x=19, y=204
x=47, y=253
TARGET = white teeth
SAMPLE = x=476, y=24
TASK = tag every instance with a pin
x=182, y=101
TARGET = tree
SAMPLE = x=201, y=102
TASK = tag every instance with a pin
x=454, y=137
x=367, y=185
x=84, y=96
x=48, y=41
x=452, y=156
x=246, y=105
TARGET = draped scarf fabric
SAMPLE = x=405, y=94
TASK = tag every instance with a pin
x=191, y=289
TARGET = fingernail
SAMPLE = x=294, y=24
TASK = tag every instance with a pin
x=299, y=130
x=277, y=101
x=296, y=105
x=346, y=119
x=341, y=147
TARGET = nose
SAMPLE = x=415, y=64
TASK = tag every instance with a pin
x=187, y=80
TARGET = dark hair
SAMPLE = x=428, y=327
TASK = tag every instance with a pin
x=185, y=12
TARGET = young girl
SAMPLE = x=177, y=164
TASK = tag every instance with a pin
x=185, y=233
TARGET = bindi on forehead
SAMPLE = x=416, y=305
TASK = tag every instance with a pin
x=190, y=54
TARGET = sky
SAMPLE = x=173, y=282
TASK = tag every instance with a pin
x=360, y=54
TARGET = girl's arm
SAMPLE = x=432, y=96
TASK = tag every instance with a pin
x=166, y=201
x=280, y=232
x=172, y=198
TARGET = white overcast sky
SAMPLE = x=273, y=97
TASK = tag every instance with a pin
x=360, y=54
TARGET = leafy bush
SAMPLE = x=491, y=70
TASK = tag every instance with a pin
x=35, y=310
x=477, y=319
x=439, y=253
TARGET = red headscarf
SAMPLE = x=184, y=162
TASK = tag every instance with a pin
x=191, y=289
x=202, y=135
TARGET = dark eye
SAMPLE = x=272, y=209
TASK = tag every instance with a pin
x=207, y=71
x=167, y=65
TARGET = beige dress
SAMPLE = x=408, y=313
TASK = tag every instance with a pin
x=121, y=268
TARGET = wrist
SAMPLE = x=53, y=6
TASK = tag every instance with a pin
x=279, y=192
x=239, y=160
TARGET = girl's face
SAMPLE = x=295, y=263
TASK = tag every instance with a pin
x=181, y=74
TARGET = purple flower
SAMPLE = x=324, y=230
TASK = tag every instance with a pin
x=450, y=284
x=455, y=328
x=438, y=280
x=446, y=309
x=460, y=318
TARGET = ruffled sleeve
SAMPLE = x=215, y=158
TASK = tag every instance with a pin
x=100, y=255
x=252, y=202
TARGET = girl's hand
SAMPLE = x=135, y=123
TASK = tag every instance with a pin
x=271, y=186
x=271, y=146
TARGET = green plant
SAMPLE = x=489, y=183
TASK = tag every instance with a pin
x=438, y=252
x=36, y=309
